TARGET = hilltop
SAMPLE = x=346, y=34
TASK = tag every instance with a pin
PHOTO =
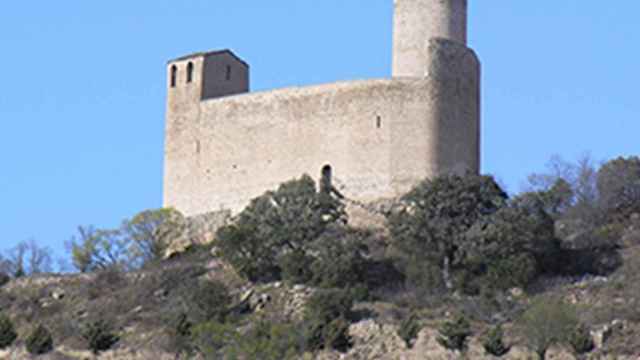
x=289, y=278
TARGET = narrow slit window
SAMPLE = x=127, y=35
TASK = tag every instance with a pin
x=228, y=73
x=174, y=75
x=189, y=72
x=378, y=122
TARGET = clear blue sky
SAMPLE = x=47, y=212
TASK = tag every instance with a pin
x=83, y=88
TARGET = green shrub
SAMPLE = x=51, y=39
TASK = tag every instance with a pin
x=454, y=334
x=326, y=320
x=269, y=341
x=39, y=341
x=207, y=300
x=248, y=254
x=547, y=322
x=580, y=340
x=99, y=336
x=409, y=329
x=493, y=342
x=7, y=332
x=262, y=340
x=213, y=339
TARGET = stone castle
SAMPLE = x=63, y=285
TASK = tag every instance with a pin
x=375, y=139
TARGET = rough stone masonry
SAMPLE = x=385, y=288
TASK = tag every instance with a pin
x=375, y=139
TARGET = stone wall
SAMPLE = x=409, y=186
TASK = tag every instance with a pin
x=380, y=137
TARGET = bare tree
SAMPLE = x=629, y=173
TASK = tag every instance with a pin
x=99, y=249
x=27, y=258
x=581, y=176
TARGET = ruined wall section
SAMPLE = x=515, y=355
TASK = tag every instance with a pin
x=380, y=137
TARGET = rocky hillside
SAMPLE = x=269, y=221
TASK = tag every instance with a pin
x=139, y=304
x=457, y=269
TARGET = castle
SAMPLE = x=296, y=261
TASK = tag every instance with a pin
x=375, y=139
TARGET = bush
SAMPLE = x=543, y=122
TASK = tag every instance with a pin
x=547, y=322
x=454, y=334
x=263, y=340
x=212, y=338
x=207, y=300
x=409, y=329
x=269, y=341
x=276, y=223
x=99, y=336
x=39, y=341
x=106, y=282
x=7, y=332
x=493, y=342
x=326, y=320
x=580, y=340
x=249, y=256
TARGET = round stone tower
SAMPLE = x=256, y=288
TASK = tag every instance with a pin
x=416, y=22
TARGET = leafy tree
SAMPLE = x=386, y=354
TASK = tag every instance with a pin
x=339, y=259
x=454, y=333
x=618, y=183
x=151, y=232
x=99, y=336
x=493, y=342
x=277, y=223
x=547, y=322
x=250, y=257
x=432, y=225
x=510, y=247
x=39, y=341
x=7, y=332
x=136, y=242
